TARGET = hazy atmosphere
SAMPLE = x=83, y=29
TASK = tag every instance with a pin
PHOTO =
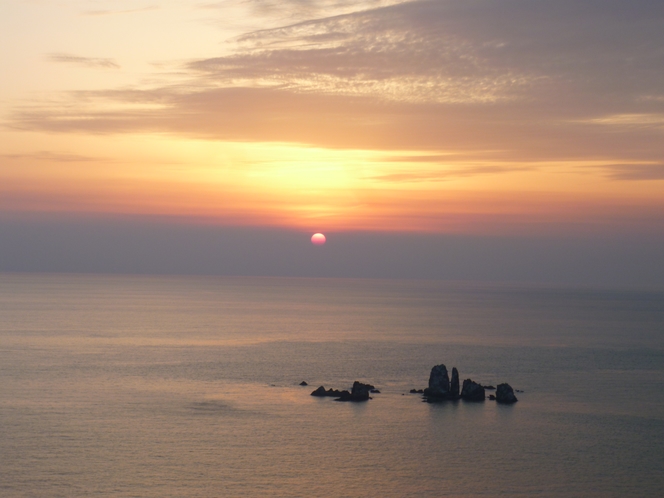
x=331, y=248
x=514, y=140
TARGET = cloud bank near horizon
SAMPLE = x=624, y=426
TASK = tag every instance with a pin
x=147, y=246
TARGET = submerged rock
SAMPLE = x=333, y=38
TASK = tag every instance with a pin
x=472, y=391
x=505, y=394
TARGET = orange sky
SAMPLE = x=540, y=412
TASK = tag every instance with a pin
x=426, y=116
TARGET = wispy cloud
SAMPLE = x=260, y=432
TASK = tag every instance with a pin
x=443, y=174
x=83, y=61
x=116, y=12
x=61, y=157
x=635, y=172
x=648, y=120
x=385, y=53
x=520, y=77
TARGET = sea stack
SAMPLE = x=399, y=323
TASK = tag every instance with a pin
x=454, y=384
x=505, y=394
x=472, y=391
x=439, y=383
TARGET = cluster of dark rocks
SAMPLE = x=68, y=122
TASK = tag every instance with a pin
x=442, y=388
x=359, y=392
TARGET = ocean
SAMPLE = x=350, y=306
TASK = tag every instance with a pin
x=168, y=386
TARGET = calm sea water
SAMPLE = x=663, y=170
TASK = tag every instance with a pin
x=185, y=386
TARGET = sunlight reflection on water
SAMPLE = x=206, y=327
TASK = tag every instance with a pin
x=174, y=386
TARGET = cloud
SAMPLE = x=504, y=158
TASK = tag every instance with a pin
x=95, y=13
x=644, y=120
x=280, y=12
x=385, y=53
x=520, y=77
x=449, y=173
x=446, y=51
x=635, y=171
x=53, y=157
x=83, y=61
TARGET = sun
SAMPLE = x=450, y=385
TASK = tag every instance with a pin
x=318, y=239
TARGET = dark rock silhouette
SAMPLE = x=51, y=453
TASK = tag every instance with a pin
x=439, y=384
x=441, y=388
x=303, y=383
x=454, y=384
x=330, y=392
x=359, y=392
x=505, y=394
x=472, y=391
x=343, y=396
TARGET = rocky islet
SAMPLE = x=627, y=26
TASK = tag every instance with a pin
x=441, y=388
x=359, y=392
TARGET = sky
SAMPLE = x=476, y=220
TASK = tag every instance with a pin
x=518, y=140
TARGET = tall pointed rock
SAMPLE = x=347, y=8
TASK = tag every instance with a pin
x=454, y=384
x=439, y=382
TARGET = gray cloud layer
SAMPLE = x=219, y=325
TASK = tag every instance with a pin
x=603, y=50
x=148, y=246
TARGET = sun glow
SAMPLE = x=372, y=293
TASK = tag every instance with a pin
x=274, y=184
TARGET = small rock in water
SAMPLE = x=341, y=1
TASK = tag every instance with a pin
x=489, y=388
x=505, y=394
x=359, y=392
x=472, y=391
x=321, y=392
x=303, y=383
x=492, y=397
